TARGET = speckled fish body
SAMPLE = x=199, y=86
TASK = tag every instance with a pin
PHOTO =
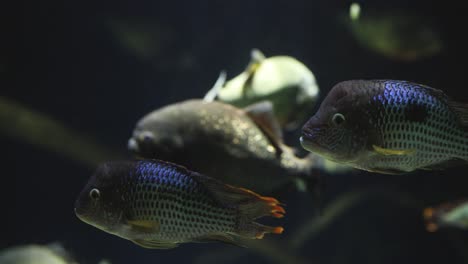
x=388, y=126
x=157, y=204
x=221, y=141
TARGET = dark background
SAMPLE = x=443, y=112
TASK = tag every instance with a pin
x=61, y=58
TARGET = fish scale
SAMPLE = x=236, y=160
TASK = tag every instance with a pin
x=428, y=137
x=172, y=191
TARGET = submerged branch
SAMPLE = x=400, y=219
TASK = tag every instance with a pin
x=338, y=208
x=24, y=124
x=274, y=252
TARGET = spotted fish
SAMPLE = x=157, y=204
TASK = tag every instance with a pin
x=389, y=126
x=241, y=147
x=160, y=205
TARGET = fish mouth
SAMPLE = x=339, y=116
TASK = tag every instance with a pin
x=311, y=141
x=309, y=137
x=307, y=144
x=110, y=226
x=82, y=216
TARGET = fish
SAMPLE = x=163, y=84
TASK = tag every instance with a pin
x=283, y=80
x=241, y=147
x=143, y=38
x=389, y=126
x=395, y=35
x=36, y=254
x=159, y=205
x=453, y=214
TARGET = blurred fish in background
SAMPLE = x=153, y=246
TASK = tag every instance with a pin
x=286, y=82
x=36, y=254
x=241, y=147
x=451, y=214
x=393, y=33
x=150, y=40
x=21, y=123
x=146, y=39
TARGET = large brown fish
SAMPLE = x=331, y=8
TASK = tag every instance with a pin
x=389, y=127
x=242, y=147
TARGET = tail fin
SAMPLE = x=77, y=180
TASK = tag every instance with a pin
x=250, y=206
x=258, y=206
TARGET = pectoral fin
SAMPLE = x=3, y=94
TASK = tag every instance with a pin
x=153, y=244
x=146, y=226
x=388, y=152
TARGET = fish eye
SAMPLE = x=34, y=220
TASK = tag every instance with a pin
x=338, y=119
x=94, y=194
x=146, y=136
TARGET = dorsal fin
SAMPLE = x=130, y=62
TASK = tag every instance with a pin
x=254, y=204
x=262, y=114
x=461, y=110
x=256, y=56
x=227, y=194
x=214, y=91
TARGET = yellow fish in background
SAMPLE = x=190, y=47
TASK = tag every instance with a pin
x=395, y=35
x=36, y=254
x=454, y=214
x=283, y=80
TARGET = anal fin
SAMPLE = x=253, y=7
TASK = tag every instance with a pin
x=220, y=237
x=153, y=244
x=455, y=162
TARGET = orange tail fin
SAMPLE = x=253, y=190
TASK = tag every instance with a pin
x=250, y=207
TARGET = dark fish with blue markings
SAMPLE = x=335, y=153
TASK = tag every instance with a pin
x=160, y=205
x=389, y=126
